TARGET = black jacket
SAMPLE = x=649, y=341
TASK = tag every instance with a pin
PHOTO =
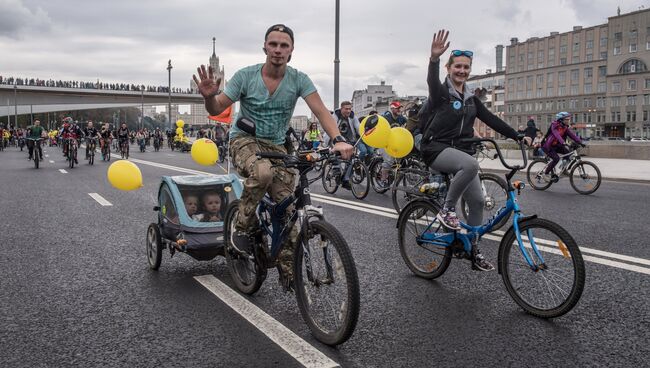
x=452, y=117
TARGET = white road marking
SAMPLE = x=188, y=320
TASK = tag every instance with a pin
x=298, y=348
x=63, y=171
x=101, y=200
x=47, y=155
x=51, y=161
x=497, y=235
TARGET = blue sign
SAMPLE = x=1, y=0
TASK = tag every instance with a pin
x=457, y=105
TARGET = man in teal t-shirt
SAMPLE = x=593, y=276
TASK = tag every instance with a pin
x=268, y=94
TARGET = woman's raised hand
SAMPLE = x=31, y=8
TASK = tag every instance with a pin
x=207, y=86
x=439, y=44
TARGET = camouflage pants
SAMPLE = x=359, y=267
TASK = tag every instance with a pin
x=260, y=178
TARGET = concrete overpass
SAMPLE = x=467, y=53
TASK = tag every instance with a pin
x=35, y=99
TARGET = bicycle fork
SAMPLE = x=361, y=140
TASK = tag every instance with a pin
x=531, y=240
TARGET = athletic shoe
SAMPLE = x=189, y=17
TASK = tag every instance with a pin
x=448, y=219
x=480, y=263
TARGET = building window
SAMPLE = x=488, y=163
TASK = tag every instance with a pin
x=589, y=72
x=549, y=91
x=602, y=87
x=573, y=90
x=561, y=91
x=589, y=57
x=540, y=93
x=617, y=50
x=576, y=47
x=369, y=99
x=573, y=104
x=633, y=66
x=540, y=79
x=631, y=101
x=563, y=49
x=562, y=61
x=614, y=101
x=631, y=116
x=600, y=102
x=645, y=115
x=633, y=47
x=603, y=55
x=549, y=105
x=561, y=105
x=588, y=88
x=549, y=79
x=631, y=85
x=618, y=36
x=561, y=77
x=575, y=75
x=647, y=84
x=633, y=34
x=540, y=55
x=575, y=59
x=586, y=102
x=647, y=45
x=603, y=41
x=646, y=99
x=589, y=44
x=616, y=86
x=602, y=71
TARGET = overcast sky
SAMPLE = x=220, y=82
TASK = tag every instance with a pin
x=131, y=41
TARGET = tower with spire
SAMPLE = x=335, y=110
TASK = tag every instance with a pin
x=199, y=115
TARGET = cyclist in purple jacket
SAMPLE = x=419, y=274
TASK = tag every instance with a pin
x=555, y=141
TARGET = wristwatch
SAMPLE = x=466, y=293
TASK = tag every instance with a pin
x=339, y=139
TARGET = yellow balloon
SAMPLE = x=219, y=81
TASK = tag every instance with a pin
x=180, y=123
x=204, y=152
x=124, y=175
x=400, y=142
x=179, y=130
x=376, y=137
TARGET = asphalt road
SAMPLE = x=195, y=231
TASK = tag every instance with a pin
x=76, y=289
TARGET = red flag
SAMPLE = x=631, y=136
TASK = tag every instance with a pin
x=224, y=117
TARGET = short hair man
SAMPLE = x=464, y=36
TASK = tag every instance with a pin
x=267, y=93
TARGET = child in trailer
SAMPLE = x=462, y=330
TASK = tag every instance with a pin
x=212, y=206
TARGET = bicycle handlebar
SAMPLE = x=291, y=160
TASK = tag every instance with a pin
x=522, y=147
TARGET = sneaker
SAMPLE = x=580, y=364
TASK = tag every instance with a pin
x=243, y=242
x=448, y=219
x=480, y=263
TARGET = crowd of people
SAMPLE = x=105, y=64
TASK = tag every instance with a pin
x=89, y=85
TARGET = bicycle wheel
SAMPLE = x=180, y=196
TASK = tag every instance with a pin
x=91, y=159
x=70, y=157
x=585, y=177
x=245, y=272
x=329, y=179
x=154, y=246
x=535, y=177
x=406, y=187
x=359, y=183
x=495, y=192
x=425, y=260
x=37, y=159
x=556, y=286
x=374, y=171
x=327, y=284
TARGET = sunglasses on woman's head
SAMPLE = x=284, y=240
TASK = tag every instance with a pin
x=467, y=53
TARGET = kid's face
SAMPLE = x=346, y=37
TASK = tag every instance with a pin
x=212, y=203
x=191, y=205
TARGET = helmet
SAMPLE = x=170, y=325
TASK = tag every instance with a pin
x=562, y=115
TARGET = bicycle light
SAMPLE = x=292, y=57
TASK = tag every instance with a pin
x=519, y=185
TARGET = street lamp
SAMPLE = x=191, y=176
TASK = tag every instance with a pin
x=169, y=104
x=15, y=105
x=336, y=58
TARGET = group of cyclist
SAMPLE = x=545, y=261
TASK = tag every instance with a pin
x=439, y=126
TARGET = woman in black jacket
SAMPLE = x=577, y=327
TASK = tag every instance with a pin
x=453, y=108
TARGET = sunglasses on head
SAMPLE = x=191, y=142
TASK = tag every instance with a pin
x=467, y=53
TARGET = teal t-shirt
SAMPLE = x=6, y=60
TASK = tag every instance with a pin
x=271, y=113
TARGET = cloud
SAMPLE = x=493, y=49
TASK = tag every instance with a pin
x=16, y=19
x=397, y=69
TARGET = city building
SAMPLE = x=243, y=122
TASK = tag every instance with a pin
x=598, y=73
x=300, y=122
x=198, y=115
x=373, y=97
x=489, y=88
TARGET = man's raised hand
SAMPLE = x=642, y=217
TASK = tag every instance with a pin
x=207, y=86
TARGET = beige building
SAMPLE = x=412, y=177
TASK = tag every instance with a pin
x=599, y=74
x=489, y=88
x=374, y=97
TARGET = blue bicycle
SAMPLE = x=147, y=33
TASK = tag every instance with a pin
x=325, y=276
x=540, y=263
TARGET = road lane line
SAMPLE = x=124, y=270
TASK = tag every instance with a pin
x=63, y=171
x=47, y=155
x=298, y=348
x=51, y=161
x=101, y=200
x=389, y=213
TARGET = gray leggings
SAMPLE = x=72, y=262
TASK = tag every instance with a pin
x=465, y=182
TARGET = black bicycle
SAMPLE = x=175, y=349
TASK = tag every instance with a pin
x=325, y=276
x=36, y=150
x=91, y=145
x=71, y=151
x=124, y=149
x=351, y=174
